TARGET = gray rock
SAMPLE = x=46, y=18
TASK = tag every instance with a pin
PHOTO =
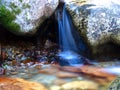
x=24, y=16
x=97, y=21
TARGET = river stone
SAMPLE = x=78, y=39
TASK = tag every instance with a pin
x=80, y=85
x=98, y=22
x=25, y=16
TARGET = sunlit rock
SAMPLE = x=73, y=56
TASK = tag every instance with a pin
x=85, y=85
x=54, y=87
x=25, y=16
x=97, y=21
x=19, y=84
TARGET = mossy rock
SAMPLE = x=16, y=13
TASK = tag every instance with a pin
x=23, y=17
x=7, y=18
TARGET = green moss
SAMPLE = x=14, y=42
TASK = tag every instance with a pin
x=12, y=5
x=14, y=8
x=25, y=6
x=0, y=2
x=17, y=11
x=6, y=19
x=20, y=0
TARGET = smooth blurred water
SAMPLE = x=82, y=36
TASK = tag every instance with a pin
x=69, y=40
x=113, y=70
x=70, y=58
x=66, y=39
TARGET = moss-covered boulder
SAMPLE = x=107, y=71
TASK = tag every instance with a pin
x=97, y=21
x=25, y=16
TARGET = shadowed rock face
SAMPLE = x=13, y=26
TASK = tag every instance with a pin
x=97, y=22
x=25, y=16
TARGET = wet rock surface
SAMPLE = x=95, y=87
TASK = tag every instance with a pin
x=55, y=77
x=44, y=68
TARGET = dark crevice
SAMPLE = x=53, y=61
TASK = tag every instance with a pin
x=108, y=50
x=7, y=37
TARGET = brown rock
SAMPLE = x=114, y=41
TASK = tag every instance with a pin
x=38, y=67
x=59, y=82
x=19, y=84
x=94, y=73
x=62, y=74
x=49, y=70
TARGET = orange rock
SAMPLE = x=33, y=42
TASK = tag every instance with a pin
x=94, y=73
x=62, y=74
x=27, y=61
x=38, y=67
x=19, y=84
x=49, y=70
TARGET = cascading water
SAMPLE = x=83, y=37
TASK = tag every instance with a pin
x=68, y=44
x=66, y=39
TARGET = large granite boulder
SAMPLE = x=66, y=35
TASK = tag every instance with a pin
x=97, y=21
x=25, y=16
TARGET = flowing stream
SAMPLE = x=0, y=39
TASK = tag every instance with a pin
x=70, y=42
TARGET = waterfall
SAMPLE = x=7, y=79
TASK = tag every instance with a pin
x=68, y=40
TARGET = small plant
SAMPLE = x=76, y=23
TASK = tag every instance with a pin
x=12, y=5
x=6, y=19
x=0, y=2
x=15, y=9
x=26, y=6
x=20, y=0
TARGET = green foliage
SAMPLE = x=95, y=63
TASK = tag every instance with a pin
x=17, y=11
x=25, y=6
x=14, y=8
x=7, y=18
x=12, y=5
x=20, y=0
x=0, y=2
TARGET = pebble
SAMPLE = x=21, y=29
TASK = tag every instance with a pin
x=14, y=73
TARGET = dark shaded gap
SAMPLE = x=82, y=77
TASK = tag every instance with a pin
x=9, y=38
x=107, y=51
